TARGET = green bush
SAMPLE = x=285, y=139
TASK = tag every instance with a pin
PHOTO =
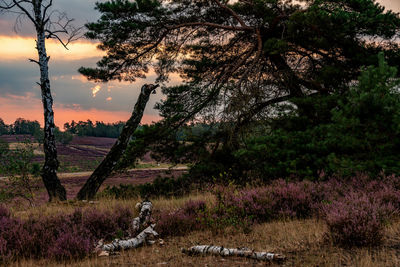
x=21, y=172
x=161, y=186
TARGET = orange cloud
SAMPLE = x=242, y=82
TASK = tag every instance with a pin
x=12, y=48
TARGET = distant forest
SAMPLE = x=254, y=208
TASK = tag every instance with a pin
x=88, y=128
x=81, y=128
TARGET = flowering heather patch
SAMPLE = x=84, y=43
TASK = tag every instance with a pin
x=332, y=200
x=4, y=212
x=291, y=199
x=252, y=204
x=70, y=245
x=61, y=236
x=355, y=211
x=357, y=219
x=182, y=220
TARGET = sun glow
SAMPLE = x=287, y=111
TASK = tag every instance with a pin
x=95, y=90
x=12, y=48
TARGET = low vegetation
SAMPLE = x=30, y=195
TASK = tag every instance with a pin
x=356, y=212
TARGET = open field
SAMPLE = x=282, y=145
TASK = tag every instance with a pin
x=79, y=158
x=82, y=154
x=74, y=181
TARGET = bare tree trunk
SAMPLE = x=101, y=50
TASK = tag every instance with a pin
x=49, y=171
x=92, y=185
x=41, y=14
x=238, y=252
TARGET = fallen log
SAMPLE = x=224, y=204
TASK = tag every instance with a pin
x=239, y=252
x=146, y=236
x=144, y=218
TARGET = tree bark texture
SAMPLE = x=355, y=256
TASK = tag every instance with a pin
x=146, y=236
x=238, y=252
x=49, y=171
x=92, y=185
x=144, y=218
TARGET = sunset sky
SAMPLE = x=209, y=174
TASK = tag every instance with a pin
x=75, y=98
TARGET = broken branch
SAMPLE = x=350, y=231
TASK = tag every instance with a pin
x=238, y=252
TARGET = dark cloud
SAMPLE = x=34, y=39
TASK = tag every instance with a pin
x=70, y=88
x=18, y=79
x=81, y=11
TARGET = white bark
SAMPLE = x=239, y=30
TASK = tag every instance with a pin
x=144, y=218
x=238, y=252
x=147, y=235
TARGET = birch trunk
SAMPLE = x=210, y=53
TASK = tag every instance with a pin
x=92, y=185
x=49, y=171
x=144, y=218
x=238, y=252
x=147, y=235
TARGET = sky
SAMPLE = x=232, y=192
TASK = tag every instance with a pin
x=75, y=98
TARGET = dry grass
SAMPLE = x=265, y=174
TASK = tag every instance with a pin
x=303, y=242
x=37, y=148
x=161, y=203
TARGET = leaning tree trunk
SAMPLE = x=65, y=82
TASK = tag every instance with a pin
x=92, y=185
x=49, y=171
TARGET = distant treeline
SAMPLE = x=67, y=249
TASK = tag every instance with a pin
x=88, y=128
x=20, y=126
x=113, y=130
x=27, y=127
x=97, y=129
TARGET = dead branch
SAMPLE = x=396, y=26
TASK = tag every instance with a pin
x=238, y=252
x=145, y=237
x=144, y=218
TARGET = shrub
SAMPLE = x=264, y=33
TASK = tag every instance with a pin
x=292, y=200
x=161, y=186
x=61, y=236
x=357, y=220
x=22, y=172
x=254, y=204
x=13, y=238
x=70, y=245
x=4, y=212
x=182, y=220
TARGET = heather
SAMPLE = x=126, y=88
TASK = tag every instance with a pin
x=357, y=219
x=356, y=211
x=60, y=236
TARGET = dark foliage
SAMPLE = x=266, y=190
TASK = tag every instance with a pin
x=161, y=186
x=98, y=129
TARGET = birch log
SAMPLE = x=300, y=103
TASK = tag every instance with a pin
x=239, y=252
x=145, y=236
x=144, y=216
